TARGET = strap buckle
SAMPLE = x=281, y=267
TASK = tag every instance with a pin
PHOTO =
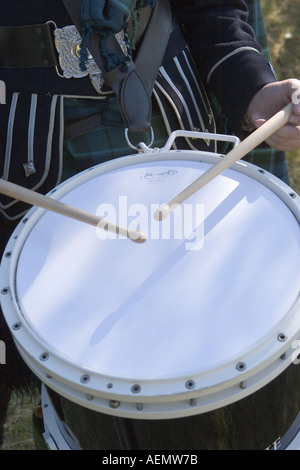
x=67, y=42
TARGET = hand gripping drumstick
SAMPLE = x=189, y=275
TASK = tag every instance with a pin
x=35, y=199
x=257, y=137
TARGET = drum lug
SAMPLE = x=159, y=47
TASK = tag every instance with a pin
x=243, y=385
x=114, y=404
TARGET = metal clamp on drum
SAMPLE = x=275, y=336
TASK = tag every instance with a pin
x=201, y=323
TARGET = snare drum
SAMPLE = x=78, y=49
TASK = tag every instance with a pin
x=187, y=341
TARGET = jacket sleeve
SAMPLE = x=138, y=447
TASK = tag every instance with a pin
x=226, y=52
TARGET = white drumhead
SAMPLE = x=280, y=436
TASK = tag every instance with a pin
x=176, y=314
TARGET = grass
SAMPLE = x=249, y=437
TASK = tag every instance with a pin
x=18, y=427
x=283, y=27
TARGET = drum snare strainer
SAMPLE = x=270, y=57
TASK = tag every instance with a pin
x=203, y=314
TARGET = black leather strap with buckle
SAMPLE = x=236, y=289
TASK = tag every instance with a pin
x=134, y=86
x=27, y=46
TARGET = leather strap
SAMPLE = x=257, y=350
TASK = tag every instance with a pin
x=27, y=46
x=134, y=86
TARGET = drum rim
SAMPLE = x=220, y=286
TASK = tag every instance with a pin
x=80, y=386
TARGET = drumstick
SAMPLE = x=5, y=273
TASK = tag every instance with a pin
x=35, y=199
x=253, y=140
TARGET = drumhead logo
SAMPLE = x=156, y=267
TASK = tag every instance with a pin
x=150, y=176
x=186, y=222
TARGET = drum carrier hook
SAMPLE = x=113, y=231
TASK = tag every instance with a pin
x=131, y=145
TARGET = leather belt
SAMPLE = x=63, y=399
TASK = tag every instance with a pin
x=33, y=46
x=29, y=46
x=36, y=46
x=45, y=45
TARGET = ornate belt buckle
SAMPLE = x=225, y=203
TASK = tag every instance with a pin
x=67, y=42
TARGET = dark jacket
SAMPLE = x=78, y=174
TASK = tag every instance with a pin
x=222, y=43
x=226, y=52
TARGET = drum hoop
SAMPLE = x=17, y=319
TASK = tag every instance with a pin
x=175, y=398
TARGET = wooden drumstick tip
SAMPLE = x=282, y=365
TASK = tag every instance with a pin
x=162, y=213
x=137, y=237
